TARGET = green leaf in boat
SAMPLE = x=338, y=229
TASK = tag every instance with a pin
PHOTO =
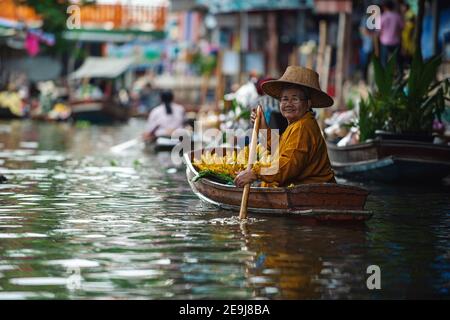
x=218, y=177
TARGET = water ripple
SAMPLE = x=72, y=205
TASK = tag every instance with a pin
x=133, y=229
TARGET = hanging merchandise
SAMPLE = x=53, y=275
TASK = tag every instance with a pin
x=32, y=44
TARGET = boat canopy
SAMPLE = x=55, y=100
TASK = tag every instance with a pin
x=101, y=67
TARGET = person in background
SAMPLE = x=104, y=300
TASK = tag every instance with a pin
x=164, y=119
x=407, y=33
x=366, y=49
x=145, y=98
x=88, y=91
x=48, y=96
x=34, y=97
x=390, y=33
x=247, y=95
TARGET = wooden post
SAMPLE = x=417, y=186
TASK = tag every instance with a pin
x=272, y=44
x=220, y=87
x=342, y=57
x=322, y=45
x=324, y=82
x=326, y=68
x=243, y=44
x=243, y=29
x=310, y=60
x=293, y=57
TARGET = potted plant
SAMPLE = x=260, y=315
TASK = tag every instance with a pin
x=404, y=109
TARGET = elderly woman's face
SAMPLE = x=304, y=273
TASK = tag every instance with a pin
x=293, y=104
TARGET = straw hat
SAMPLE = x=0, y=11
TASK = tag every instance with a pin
x=303, y=77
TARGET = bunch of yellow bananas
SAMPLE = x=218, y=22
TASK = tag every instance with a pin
x=232, y=162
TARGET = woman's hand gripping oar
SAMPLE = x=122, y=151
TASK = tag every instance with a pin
x=251, y=160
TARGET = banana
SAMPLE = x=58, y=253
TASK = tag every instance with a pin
x=231, y=163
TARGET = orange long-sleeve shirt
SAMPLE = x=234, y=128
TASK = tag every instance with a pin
x=303, y=156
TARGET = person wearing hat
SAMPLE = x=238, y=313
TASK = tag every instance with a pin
x=302, y=150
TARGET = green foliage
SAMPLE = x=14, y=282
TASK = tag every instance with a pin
x=384, y=77
x=205, y=64
x=424, y=98
x=136, y=163
x=350, y=104
x=240, y=111
x=82, y=124
x=218, y=177
x=404, y=106
x=366, y=123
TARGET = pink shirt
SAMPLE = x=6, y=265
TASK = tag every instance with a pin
x=391, y=28
x=162, y=123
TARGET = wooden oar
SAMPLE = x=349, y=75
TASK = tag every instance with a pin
x=130, y=143
x=251, y=159
x=125, y=145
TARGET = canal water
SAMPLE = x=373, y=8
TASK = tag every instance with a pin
x=79, y=222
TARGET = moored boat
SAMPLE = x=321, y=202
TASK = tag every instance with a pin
x=391, y=160
x=5, y=113
x=98, y=111
x=95, y=105
x=324, y=201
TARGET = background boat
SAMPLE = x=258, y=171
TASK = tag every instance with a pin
x=391, y=161
x=5, y=113
x=161, y=144
x=109, y=108
x=98, y=111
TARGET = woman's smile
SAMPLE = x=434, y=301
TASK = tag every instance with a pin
x=293, y=104
x=289, y=110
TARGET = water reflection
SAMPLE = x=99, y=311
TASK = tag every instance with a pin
x=308, y=260
x=132, y=227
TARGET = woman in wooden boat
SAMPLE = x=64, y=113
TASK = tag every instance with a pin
x=165, y=118
x=302, y=150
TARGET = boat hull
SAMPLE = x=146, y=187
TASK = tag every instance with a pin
x=391, y=161
x=327, y=201
x=5, y=113
x=162, y=144
x=98, y=112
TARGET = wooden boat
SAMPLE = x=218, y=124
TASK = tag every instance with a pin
x=391, y=160
x=324, y=201
x=98, y=111
x=49, y=118
x=161, y=144
x=108, y=109
x=5, y=113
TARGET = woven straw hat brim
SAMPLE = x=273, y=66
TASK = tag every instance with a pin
x=319, y=99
